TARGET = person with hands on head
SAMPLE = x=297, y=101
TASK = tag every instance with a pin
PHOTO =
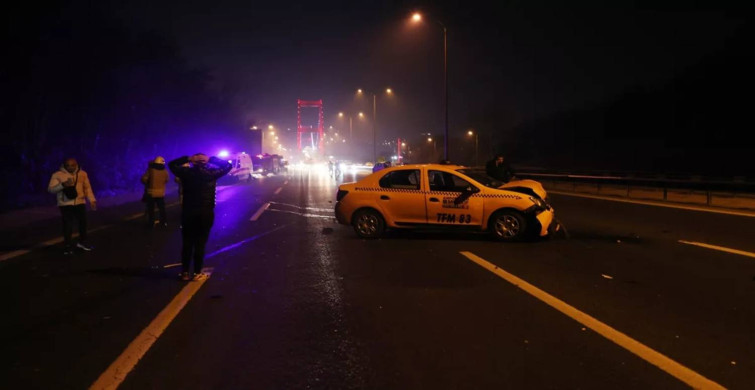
x=198, y=180
x=71, y=186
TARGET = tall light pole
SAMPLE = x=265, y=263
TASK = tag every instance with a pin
x=432, y=140
x=374, y=119
x=416, y=18
x=476, y=138
x=360, y=115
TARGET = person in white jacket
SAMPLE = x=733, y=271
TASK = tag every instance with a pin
x=71, y=186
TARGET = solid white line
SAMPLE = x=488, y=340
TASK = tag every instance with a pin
x=660, y=204
x=135, y=216
x=304, y=214
x=302, y=208
x=260, y=211
x=58, y=240
x=719, y=248
x=17, y=253
x=53, y=241
x=278, y=191
x=120, y=368
x=653, y=357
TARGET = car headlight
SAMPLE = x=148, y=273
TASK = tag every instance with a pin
x=539, y=202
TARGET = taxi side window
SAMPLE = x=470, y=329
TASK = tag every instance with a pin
x=405, y=179
x=444, y=181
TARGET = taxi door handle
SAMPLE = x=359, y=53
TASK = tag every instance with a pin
x=434, y=200
x=384, y=197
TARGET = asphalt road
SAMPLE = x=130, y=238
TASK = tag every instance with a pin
x=296, y=301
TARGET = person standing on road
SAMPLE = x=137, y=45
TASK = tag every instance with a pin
x=155, y=180
x=498, y=169
x=72, y=188
x=198, y=207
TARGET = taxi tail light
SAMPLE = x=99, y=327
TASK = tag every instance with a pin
x=340, y=195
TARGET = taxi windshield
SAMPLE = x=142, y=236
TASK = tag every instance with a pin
x=481, y=177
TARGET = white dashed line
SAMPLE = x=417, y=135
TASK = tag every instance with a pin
x=259, y=212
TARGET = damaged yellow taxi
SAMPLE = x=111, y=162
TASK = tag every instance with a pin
x=446, y=196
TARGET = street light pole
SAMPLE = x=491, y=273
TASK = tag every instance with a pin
x=445, y=87
x=416, y=18
x=374, y=125
x=476, y=154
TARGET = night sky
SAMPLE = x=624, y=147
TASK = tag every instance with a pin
x=508, y=61
x=659, y=78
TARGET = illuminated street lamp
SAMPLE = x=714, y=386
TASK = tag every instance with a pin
x=476, y=138
x=351, y=127
x=388, y=91
x=432, y=140
x=416, y=18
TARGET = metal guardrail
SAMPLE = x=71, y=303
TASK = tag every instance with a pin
x=736, y=193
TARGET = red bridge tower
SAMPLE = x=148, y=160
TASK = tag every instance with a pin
x=309, y=129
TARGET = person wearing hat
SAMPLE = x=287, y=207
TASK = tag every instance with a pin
x=155, y=180
x=198, y=207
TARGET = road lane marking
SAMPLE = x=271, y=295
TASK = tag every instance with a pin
x=278, y=191
x=120, y=368
x=304, y=214
x=303, y=208
x=719, y=248
x=242, y=242
x=54, y=241
x=653, y=357
x=171, y=265
x=285, y=182
x=259, y=211
x=44, y=244
x=139, y=215
x=660, y=204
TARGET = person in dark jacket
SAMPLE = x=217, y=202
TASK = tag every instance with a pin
x=498, y=169
x=198, y=207
x=155, y=180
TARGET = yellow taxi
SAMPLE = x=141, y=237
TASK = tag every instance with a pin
x=435, y=195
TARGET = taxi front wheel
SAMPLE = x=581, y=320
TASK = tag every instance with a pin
x=508, y=225
x=369, y=224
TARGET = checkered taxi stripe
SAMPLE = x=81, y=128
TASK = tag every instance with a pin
x=439, y=193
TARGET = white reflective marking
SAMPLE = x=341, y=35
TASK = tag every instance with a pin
x=304, y=214
x=278, y=191
x=260, y=211
x=653, y=357
x=719, y=248
x=53, y=241
x=120, y=368
x=302, y=208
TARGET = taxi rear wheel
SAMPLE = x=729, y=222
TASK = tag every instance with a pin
x=368, y=223
x=508, y=225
